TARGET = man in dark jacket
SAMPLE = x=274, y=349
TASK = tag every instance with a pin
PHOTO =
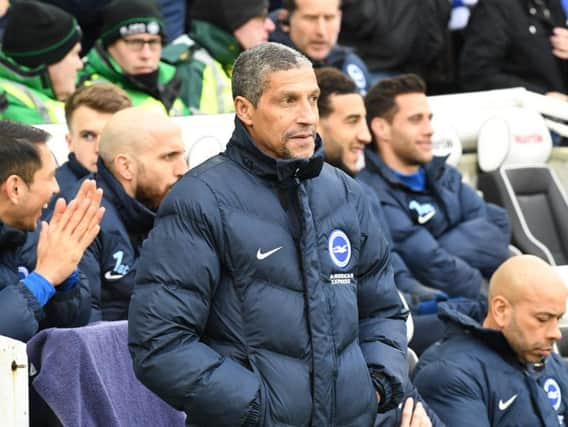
x=39, y=284
x=87, y=111
x=512, y=43
x=394, y=36
x=312, y=27
x=141, y=158
x=447, y=235
x=499, y=369
x=269, y=299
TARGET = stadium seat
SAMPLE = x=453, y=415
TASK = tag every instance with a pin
x=513, y=149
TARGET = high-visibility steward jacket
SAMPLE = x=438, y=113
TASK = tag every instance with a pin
x=100, y=66
x=29, y=96
x=206, y=86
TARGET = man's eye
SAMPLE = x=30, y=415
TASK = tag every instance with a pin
x=88, y=136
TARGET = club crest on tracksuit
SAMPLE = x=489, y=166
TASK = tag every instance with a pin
x=339, y=248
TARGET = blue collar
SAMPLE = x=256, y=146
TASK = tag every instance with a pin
x=415, y=181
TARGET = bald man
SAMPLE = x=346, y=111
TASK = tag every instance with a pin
x=496, y=367
x=141, y=156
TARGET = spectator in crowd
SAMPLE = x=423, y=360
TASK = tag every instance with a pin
x=88, y=15
x=87, y=111
x=219, y=30
x=38, y=63
x=312, y=27
x=141, y=156
x=127, y=54
x=205, y=85
x=227, y=27
x=399, y=36
x=40, y=286
x=448, y=236
x=512, y=43
x=289, y=242
x=343, y=128
x=174, y=12
x=497, y=367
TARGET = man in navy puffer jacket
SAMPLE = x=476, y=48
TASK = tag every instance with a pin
x=264, y=295
x=447, y=235
x=496, y=366
x=40, y=285
x=141, y=158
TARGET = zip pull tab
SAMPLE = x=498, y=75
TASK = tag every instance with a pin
x=296, y=178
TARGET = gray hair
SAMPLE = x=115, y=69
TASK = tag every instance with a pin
x=254, y=65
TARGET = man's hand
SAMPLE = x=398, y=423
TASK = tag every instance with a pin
x=559, y=41
x=414, y=416
x=71, y=230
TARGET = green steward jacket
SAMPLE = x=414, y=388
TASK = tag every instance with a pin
x=206, y=86
x=27, y=94
x=100, y=66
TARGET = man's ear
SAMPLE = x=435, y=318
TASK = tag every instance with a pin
x=381, y=129
x=68, y=140
x=124, y=167
x=14, y=187
x=501, y=310
x=244, y=110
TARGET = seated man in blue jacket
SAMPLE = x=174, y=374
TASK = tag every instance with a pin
x=39, y=283
x=87, y=111
x=312, y=27
x=448, y=236
x=343, y=128
x=141, y=156
x=496, y=367
x=264, y=294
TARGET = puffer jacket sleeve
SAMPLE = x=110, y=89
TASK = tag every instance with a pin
x=382, y=327
x=452, y=393
x=69, y=308
x=179, y=270
x=430, y=262
x=482, y=239
x=20, y=312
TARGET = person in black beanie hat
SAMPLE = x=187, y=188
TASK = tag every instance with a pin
x=39, y=60
x=128, y=52
x=227, y=27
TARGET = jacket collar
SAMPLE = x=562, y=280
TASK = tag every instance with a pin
x=77, y=168
x=34, y=78
x=242, y=149
x=467, y=317
x=136, y=217
x=11, y=237
x=374, y=163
